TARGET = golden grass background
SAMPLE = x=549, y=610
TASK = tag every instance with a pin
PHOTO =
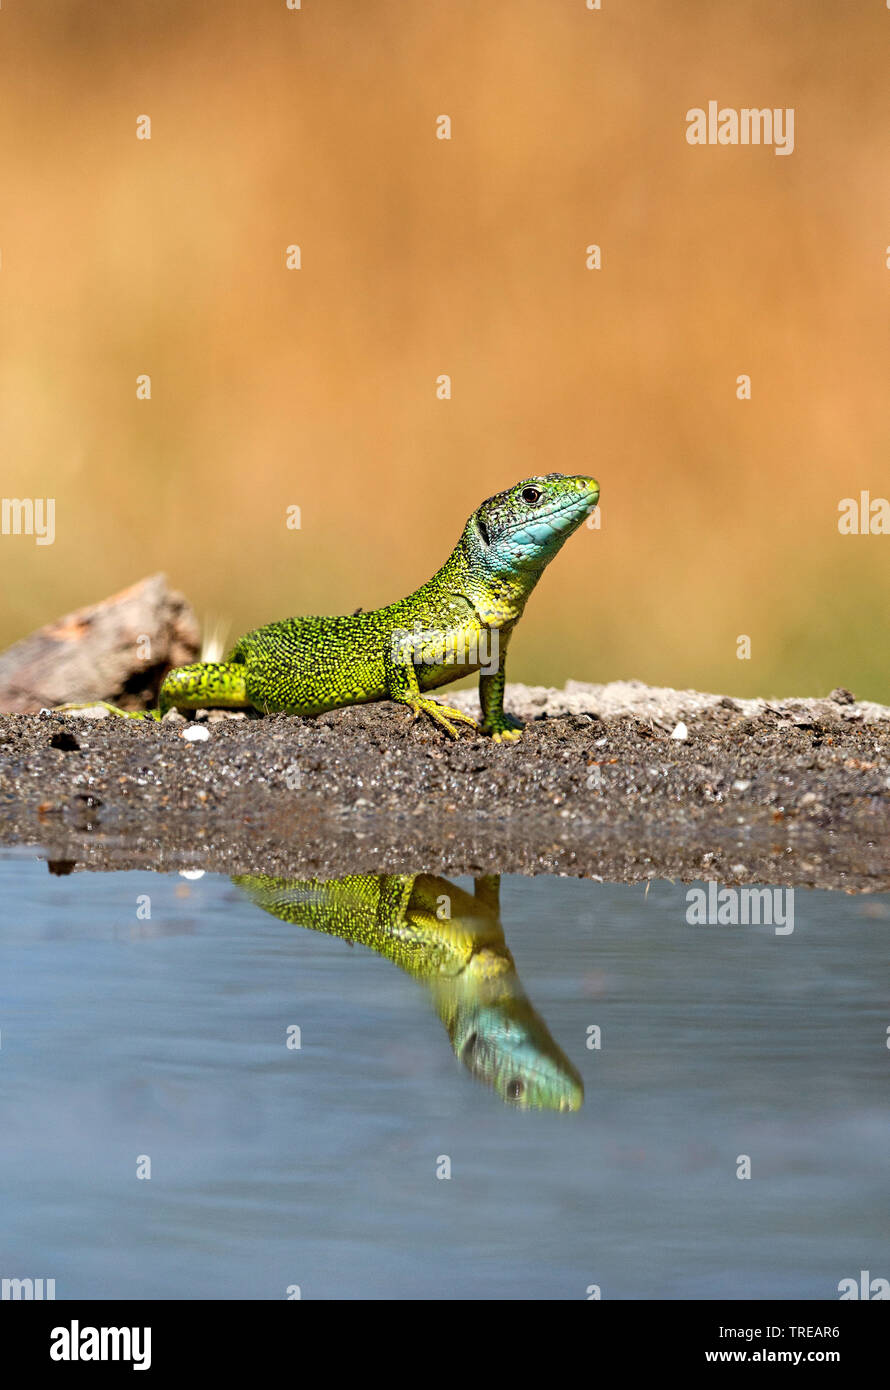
x=317, y=387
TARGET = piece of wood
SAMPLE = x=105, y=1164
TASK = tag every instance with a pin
x=116, y=650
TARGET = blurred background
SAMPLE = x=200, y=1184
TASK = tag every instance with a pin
x=316, y=388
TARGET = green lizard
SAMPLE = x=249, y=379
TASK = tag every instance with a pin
x=455, y=624
x=453, y=942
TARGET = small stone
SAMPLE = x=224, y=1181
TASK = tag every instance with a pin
x=840, y=696
x=741, y=785
x=680, y=732
x=195, y=733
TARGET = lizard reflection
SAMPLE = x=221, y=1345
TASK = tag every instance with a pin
x=453, y=942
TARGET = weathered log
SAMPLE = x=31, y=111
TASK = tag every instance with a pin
x=117, y=650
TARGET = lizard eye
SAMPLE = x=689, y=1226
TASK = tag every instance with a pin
x=531, y=495
x=515, y=1088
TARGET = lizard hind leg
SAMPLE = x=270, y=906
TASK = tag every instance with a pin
x=103, y=704
x=205, y=685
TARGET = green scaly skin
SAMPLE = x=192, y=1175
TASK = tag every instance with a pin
x=449, y=628
x=452, y=942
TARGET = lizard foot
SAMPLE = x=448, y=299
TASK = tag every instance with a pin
x=439, y=714
x=504, y=729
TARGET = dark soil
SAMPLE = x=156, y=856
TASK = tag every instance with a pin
x=793, y=792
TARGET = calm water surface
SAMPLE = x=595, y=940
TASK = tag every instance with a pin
x=271, y=1166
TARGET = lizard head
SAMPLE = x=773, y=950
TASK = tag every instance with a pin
x=506, y=1045
x=523, y=528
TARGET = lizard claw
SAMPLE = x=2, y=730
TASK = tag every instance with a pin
x=440, y=715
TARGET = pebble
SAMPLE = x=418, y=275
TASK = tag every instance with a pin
x=195, y=733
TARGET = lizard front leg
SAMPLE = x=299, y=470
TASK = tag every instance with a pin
x=495, y=720
x=402, y=686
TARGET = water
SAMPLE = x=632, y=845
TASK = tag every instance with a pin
x=273, y=1167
